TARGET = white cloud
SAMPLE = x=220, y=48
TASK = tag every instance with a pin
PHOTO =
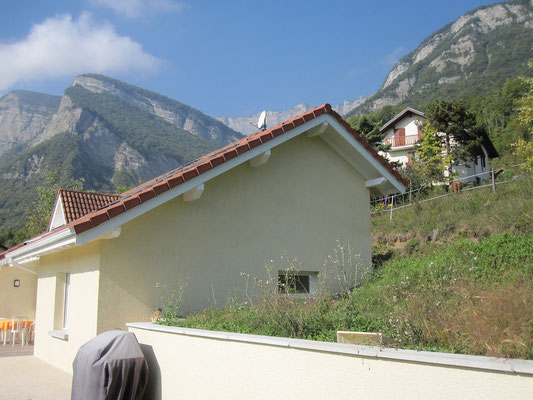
x=138, y=8
x=392, y=58
x=61, y=46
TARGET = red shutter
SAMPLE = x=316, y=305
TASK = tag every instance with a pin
x=399, y=137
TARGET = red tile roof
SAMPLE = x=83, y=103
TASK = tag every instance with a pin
x=77, y=204
x=156, y=186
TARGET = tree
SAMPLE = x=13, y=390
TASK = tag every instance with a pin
x=524, y=152
x=525, y=111
x=11, y=238
x=523, y=148
x=430, y=162
x=38, y=216
x=369, y=127
x=452, y=128
x=122, y=189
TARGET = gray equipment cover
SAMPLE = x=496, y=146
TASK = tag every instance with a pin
x=110, y=366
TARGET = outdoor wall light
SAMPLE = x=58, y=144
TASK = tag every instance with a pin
x=16, y=282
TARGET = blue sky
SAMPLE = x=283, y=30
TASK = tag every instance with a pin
x=228, y=57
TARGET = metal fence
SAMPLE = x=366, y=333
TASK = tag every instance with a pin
x=391, y=203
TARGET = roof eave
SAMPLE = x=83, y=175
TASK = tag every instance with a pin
x=41, y=245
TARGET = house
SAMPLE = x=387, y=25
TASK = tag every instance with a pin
x=18, y=286
x=293, y=189
x=403, y=132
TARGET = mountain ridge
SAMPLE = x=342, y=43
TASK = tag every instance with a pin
x=476, y=52
x=102, y=130
x=248, y=124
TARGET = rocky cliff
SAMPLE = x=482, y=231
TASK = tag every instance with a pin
x=172, y=111
x=23, y=118
x=103, y=131
x=478, y=51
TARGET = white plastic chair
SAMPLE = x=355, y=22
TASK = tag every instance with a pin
x=29, y=332
x=2, y=333
x=18, y=325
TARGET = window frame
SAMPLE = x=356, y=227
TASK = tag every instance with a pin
x=66, y=301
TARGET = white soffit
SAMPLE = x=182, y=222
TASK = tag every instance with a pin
x=362, y=160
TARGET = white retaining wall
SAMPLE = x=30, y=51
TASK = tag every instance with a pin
x=198, y=364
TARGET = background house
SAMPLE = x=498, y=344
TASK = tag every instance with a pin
x=403, y=132
x=294, y=189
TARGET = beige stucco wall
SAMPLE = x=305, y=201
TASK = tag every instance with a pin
x=192, y=367
x=17, y=301
x=300, y=202
x=83, y=264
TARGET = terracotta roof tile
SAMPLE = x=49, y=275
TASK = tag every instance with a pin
x=88, y=210
x=77, y=204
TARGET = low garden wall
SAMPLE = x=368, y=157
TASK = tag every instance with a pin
x=198, y=364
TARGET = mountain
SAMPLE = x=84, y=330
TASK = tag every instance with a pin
x=248, y=125
x=23, y=118
x=476, y=53
x=102, y=130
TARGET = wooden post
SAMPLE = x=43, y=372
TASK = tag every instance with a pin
x=493, y=182
x=391, y=207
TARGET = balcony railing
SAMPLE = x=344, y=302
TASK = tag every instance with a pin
x=400, y=141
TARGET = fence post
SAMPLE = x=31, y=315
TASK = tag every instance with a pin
x=391, y=207
x=493, y=182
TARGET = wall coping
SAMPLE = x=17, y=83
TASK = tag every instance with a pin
x=515, y=366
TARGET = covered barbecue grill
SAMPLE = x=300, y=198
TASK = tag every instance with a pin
x=110, y=366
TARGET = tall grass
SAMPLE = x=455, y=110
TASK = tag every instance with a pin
x=474, y=298
x=454, y=275
x=475, y=214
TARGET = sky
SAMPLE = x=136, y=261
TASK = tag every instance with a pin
x=230, y=58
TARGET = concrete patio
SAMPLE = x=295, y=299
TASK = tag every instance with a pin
x=14, y=351
x=25, y=377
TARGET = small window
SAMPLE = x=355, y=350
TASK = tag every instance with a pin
x=483, y=164
x=294, y=283
x=61, y=306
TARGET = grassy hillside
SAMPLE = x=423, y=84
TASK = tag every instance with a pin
x=475, y=215
x=468, y=289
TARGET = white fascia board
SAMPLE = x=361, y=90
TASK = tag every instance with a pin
x=154, y=202
x=61, y=239
x=383, y=171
